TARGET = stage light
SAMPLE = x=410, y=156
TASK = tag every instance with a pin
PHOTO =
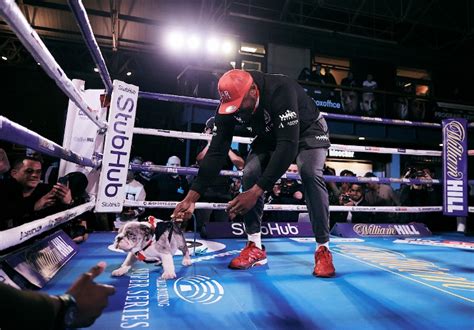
x=212, y=45
x=228, y=47
x=194, y=42
x=248, y=49
x=175, y=40
x=4, y=58
x=361, y=138
x=129, y=73
x=96, y=70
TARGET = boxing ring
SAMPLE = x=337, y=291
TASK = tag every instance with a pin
x=382, y=282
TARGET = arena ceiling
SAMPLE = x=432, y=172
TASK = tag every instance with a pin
x=430, y=24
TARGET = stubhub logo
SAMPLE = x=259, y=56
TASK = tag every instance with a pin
x=268, y=229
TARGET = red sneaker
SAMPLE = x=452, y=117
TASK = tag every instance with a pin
x=323, y=261
x=250, y=256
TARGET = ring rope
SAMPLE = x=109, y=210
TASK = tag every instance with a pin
x=328, y=178
x=289, y=207
x=12, y=14
x=83, y=22
x=15, y=133
x=246, y=140
x=20, y=234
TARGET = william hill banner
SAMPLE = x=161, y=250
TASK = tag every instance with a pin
x=455, y=167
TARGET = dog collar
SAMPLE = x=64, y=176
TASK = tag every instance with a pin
x=140, y=256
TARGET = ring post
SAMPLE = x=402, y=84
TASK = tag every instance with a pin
x=118, y=143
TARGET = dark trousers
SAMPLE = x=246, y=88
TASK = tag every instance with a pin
x=310, y=166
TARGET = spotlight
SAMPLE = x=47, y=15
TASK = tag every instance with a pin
x=212, y=45
x=4, y=58
x=227, y=47
x=175, y=40
x=194, y=42
x=96, y=70
x=129, y=73
x=361, y=138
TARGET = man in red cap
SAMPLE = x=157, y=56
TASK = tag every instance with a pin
x=287, y=125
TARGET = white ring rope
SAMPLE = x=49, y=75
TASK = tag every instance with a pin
x=246, y=140
x=12, y=14
x=289, y=207
x=20, y=234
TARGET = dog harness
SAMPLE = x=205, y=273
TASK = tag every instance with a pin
x=140, y=256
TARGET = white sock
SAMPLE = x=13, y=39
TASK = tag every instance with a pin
x=256, y=238
x=322, y=244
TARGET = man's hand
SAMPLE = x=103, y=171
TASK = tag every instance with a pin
x=46, y=201
x=185, y=209
x=63, y=193
x=91, y=298
x=244, y=201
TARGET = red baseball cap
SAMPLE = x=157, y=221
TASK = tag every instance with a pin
x=232, y=87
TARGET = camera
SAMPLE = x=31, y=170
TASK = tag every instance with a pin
x=345, y=199
x=63, y=180
x=414, y=173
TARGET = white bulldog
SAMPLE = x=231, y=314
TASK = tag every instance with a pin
x=138, y=239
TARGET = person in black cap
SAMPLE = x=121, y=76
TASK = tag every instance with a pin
x=287, y=125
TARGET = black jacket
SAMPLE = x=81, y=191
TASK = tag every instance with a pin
x=285, y=121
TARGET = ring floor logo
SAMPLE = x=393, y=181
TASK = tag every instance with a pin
x=199, y=289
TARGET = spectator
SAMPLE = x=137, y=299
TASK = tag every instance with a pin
x=134, y=191
x=218, y=191
x=286, y=191
x=166, y=187
x=235, y=187
x=77, y=228
x=354, y=197
x=4, y=163
x=23, y=198
x=350, y=102
x=136, y=160
x=328, y=77
x=344, y=186
x=419, y=195
x=370, y=83
x=400, y=108
x=144, y=176
x=79, y=307
x=305, y=75
x=369, y=104
x=317, y=75
x=349, y=81
x=381, y=195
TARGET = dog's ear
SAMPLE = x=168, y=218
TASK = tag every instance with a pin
x=146, y=230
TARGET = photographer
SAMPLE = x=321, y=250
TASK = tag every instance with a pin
x=286, y=191
x=353, y=197
x=419, y=195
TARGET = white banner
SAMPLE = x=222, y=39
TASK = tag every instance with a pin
x=118, y=142
x=81, y=134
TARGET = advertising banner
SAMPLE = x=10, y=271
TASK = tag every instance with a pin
x=455, y=167
x=380, y=230
x=269, y=229
x=118, y=142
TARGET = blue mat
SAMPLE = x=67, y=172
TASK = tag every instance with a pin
x=379, y=285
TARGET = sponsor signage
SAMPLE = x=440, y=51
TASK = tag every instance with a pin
x=443, y=243
x=455, y=167
x=380, y=230
x=38, y=263
x=118, y=142
x=269, y=229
